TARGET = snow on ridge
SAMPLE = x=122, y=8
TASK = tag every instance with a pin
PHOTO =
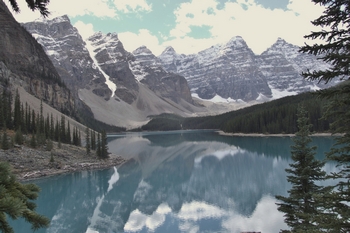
x=218, y=99
x=111, y=85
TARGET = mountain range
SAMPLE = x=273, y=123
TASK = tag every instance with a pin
x=124, y=88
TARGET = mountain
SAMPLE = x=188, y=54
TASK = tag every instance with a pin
x=228, y=70
x=233, y=71
x=282, y=65
x=119, y=87
x=24, y=64
x=67, y=51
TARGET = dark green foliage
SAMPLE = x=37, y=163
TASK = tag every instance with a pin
x=19, y=137
x=164, y=122
x=17, y=121
x=301, y=207
x=49, y=145
x=334, y=25
x=68, y=136
x=93, y=140
x=104, y=146
x=63, y=129
x=40, y=5
x=33, y=142
x=87, y=141
x=98, y=147
x=5, y=145
x=278, y=116
x=16, y=201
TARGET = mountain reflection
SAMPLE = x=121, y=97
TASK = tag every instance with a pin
x=180, y=182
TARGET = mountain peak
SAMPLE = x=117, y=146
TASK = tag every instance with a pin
x=236, y=41
x=142, y=50
x=59, y=19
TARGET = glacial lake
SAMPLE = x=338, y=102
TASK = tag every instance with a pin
x=181, y=181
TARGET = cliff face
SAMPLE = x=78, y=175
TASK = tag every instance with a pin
x=233, y=71
x=148, y=70
x=66, y=49
x=24, y=62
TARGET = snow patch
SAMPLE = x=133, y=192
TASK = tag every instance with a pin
x=218, y=99
x=111, y=85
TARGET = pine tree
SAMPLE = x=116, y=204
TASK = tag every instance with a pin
x=19, y=137
x=5, y=145
x=87, y=141
x=63, y=129
x=16, y=201
x=300, y=208
x=68, y=136
x=104, y=146
x=17, y=111
x=98, y=149
x=334, y=30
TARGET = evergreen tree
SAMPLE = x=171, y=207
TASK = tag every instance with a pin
x=47, y=127
x=5, y=145
x=16, y=201
x=68, y=136
x=334, y=26
x=33, y=124
x=87, y=141
x=104, y=146
x=300, y=208
x=19, y=137
x=63, y=129
x=52, y=128
x=98, y=149
x=33, y=142
x=17, y=111
x=93, y=140
x=40, y=5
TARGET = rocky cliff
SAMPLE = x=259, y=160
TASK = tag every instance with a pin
x=233, y=71
x=228, y=70
x=24, y=62
x=121, y=88
x=149, y=71
x=67, y=51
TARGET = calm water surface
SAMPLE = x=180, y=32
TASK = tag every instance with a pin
x=189, y=181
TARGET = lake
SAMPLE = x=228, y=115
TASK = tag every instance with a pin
x=182, y=181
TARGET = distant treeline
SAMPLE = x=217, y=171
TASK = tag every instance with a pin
x=278, y=116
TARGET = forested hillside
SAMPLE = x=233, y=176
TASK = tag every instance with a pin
x=273, y=117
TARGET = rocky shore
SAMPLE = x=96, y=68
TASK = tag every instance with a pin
x=28, y=163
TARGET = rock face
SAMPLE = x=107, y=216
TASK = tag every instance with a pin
x=24, y=62
x=229, y=71
x=114, y=61
x=67, y=51
x=149, y=71
x=233, y=71
x=120, y=88
x=282, y=65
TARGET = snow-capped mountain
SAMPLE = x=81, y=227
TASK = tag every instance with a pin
x=119, y=87
x=233, y=71
x=67, y=51
x=282, y=65
x=229, y=70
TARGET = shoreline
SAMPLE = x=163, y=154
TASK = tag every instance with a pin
x=68, y=169
x=29, y=164
x=273, y=135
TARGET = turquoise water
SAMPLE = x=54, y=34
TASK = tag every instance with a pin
x=185, y=181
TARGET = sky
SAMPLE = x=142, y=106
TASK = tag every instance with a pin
x=189, y=26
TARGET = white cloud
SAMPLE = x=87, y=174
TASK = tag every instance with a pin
x=132, y=41
x=260, y=27
x=128, y=6
x=85, y=30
